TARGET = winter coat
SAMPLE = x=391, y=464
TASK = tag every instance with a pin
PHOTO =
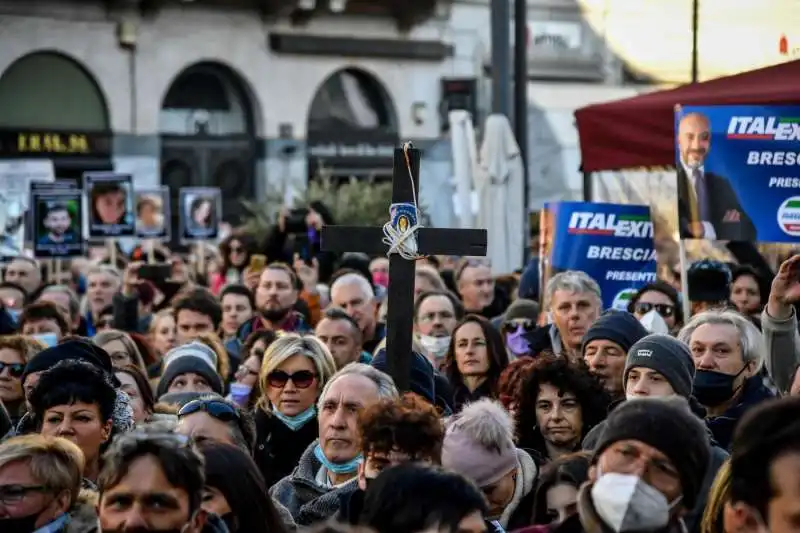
x=307, y=500
x=278, y=448
x=518, y=511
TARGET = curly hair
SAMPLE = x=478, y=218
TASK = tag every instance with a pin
x=25, y=346
x=511, y=380
x=408, y=424
x=565, y=377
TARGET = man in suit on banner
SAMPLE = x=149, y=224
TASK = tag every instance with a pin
x=708, y=207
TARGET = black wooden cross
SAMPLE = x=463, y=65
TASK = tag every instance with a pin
x=430, y=241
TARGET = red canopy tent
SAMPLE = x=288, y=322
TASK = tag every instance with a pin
x=640, y=131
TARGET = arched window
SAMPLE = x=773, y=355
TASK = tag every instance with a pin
x=354, y=100
x=206, y=99
x=50, y=90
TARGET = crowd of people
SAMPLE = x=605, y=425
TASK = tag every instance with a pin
x=254, y=397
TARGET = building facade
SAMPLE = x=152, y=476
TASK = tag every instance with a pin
x=197, y=94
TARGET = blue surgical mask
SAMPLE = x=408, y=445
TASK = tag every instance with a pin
x=337, y=468
x=297, y=421
x=48, y=339
x=14, y=314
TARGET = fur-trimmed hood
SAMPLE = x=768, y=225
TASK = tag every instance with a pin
x=83, y=515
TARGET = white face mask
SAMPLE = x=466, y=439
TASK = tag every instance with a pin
x=654, y=323
x=435, y=346
x=626, y=503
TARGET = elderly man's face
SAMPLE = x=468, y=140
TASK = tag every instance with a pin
x=22, y=495
x=573, y=313
x=23, y=273
x=145, y=500
x=476, y=287
x=346, y=398
x=717, y=347
x=357, y=303
x=694, y=139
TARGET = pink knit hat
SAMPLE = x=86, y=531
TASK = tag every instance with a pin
x=479, y=443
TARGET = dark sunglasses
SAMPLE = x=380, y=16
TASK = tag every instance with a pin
x=15, y=369
x=216, y=408
x=511, y=327
x=665, y=310
x=302, y=379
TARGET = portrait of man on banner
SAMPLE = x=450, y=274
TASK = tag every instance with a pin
x=708, y=206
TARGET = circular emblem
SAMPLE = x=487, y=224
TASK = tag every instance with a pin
x=789, y=216
x=622, y=299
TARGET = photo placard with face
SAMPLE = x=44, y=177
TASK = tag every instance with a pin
x=57, y=217
x=152, y=213
x=201, y=211
x=109, y=205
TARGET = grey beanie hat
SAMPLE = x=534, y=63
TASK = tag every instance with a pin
x=666, y=355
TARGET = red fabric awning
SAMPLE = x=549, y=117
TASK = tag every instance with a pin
x=639, y=131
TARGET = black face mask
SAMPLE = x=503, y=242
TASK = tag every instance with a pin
x=230, y=521
x=714, y=388
x=19, y=524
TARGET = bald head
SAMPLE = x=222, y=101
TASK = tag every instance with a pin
x=694, y=139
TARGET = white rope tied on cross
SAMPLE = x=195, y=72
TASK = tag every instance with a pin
x=403, y=241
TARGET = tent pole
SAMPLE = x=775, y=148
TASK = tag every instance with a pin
x=588, y=193
x=521, y=111
x=695, y=32
x=501, y=57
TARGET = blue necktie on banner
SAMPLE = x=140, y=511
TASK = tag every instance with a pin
x=702, y=194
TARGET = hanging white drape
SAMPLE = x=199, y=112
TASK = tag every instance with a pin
x=465, y=163
x=500, y=191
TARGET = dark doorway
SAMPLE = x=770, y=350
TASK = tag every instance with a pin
x=208, y=138
x=352, y=127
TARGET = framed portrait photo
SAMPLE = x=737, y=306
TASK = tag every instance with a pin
x=152, y=213
x=109, y=205
x=201, y=212
x=57, y=217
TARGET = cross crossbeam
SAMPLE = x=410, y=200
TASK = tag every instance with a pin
x=430, y=241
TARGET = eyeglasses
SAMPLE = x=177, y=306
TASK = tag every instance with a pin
x=665, y=310
x=236, y=249
x=430, y=317
x=216, y=408
x=15, y=493
x=512, y=325
x=302, y=379
x=14, y=369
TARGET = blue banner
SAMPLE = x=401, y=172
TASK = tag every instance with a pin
x=738, y=172
x=610, y=242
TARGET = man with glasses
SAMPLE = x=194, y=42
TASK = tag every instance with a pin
x=152, y=481
x=515, y=324
x=436, y=314
x=647, y=469
x=214, y=418
x=40, y=479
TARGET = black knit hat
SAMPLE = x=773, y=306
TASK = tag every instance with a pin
x=619, y=327
x=669, y=426
x=71, y=349
x=422, y=375
x=666, y=355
